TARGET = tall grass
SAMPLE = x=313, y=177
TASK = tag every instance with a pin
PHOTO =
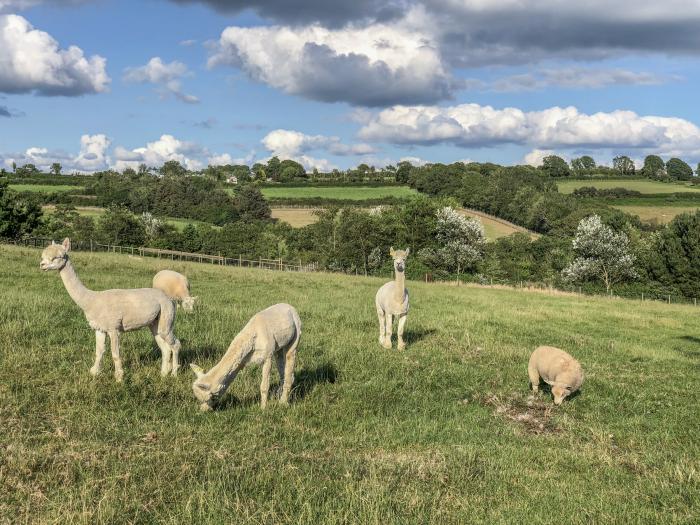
x=443, y=432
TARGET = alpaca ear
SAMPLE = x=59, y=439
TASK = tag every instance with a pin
x=391, y=251
x=66, y=244
x=53, y=243
x=197, y=370
x=408, y=250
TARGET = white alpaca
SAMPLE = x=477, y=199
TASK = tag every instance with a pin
x=176, y=286
x=274, y=332
x=556, y=368
x=115, y=311
x=392, y=300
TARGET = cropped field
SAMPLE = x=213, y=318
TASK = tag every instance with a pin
x=444, y=432
x=46, y=188
x=660, y=214
x=642, y=186
x=358, y=193
x=296, y=217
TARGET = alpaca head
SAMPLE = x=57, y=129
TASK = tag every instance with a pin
x=202, y=391
x=399, y=257
x=55, y=256
x=560, y=392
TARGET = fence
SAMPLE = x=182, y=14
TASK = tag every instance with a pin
x=173, y=255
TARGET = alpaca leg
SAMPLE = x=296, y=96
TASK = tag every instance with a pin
x=164, y=350
x=114, y=336
x=290, y=359
x=174, y=344
x=387, y=333
x=382, y=325
x=265, y=383
x=99, y=352
x=279, y=357
x=402, y=325
x=534, y=376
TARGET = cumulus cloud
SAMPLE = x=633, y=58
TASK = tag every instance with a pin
x=10, y=113
x=31, y=61
x=156, y=153
x=167, y=76
x=224, y=159
x=92, y=156
x=472, y=125
x=10, y=6
x=375, y=65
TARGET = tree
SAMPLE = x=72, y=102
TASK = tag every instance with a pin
x=18, y=217
x=56, y=168
x=461, y=239
x=624, y=165
x=403, y=170
x=121, y=227
x=601, y=253
x=654, y=167
x=274, y=169
x=252, y=204
x=583, y=165
x=555, y=166
x=173, y=168
x=678, y=169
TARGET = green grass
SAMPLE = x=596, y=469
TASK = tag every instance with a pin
x=95, y=212
x=358, y=193
x=439, y=433
x=642, y=186
x=659, y=214
x=46, y=188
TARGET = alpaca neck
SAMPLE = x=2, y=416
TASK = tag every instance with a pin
x=400, y=283
x=75, y=288
x=235, y=358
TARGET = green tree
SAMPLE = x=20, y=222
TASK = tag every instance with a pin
x=654, y=167
x=555, y=166
x=173, y=168
x=403, y=170
x=56, y=168
x=252, y=204
x=624, y=165
x=678, y=169
x=18, y=217
x=191, y=241
x=583, y=165
x=274, y=169
x=121, y=227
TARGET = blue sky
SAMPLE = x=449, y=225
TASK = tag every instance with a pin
x=219, y=81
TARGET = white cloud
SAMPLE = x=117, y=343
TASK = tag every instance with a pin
x=168, y=76
x=159, y=152
x=31, y=61
x=224, y=159
x=92, y=156
x=472, y=125
x=375, y=65
x=535, y=157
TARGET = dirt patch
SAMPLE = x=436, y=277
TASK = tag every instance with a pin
x=531, y=414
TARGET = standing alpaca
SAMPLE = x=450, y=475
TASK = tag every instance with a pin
x=392, y=299
x=274, y=332
x=115, y=311
x=176, y=286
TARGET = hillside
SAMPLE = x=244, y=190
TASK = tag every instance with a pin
x=441, y=433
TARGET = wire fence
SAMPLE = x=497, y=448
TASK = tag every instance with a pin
x=174, y=255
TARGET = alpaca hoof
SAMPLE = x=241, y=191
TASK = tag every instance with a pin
x=94, y=371
x=164, y=372
x=401, y=346
x=387, y=345
x=205, y=407
x=173, y=372
x=118, y=376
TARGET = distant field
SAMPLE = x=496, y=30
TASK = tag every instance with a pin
x=662, y=214
x=495, y=229
x=45, y=188
x=94, y=211
x=642, y=186
x=357, y=193
x=296, y=217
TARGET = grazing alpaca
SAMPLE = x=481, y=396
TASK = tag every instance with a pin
x=176, y=286
x=556, y=368
x=392, y=299
x=115, y=311
x=274, y=332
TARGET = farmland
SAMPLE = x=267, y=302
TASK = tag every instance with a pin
x=642, y=186
x=444, y=432
x=355, y=193
x=659, y=214
x=46, y=188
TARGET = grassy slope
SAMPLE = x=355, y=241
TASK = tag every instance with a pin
x=338, y=192
x=643, y=186
x=372, y=436
x=662, y=214
x=45, y=188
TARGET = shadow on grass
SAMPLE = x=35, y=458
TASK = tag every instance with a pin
x=413, y=336
x=546, y=390
x=692, y=353
x=304, y=383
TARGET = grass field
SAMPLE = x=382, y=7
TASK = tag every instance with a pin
x=358, y=193
x=642, y=186
x=95, y=211
x=296, y=217
x=46, y=188
x=660, y=214
x=495, y=229
x=444, y=432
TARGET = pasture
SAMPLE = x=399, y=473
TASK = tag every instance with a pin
x=444, y=432
x=643, y=186
x=46, y=188
x=660, y=214
x=295, y=217
x=356, y=193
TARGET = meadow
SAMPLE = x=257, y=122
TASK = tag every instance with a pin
x=659, y=214
x=46, y=188
x=357, y=193
x=643, y=186
x=443, y=432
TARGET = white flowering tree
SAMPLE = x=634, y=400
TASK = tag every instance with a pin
x=601, y=253
x=151, y=224
x=462, y=240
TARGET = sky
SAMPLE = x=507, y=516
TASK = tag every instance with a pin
x=98, y=84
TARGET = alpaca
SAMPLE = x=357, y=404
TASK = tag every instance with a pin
x=556, y=368
x=274, y=332
x=115, y=311
x=176, y=286
x=392, y=300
